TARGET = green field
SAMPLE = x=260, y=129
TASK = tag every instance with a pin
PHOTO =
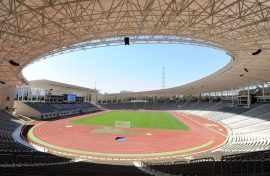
x=138, y=119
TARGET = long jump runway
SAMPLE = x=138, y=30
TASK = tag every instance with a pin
x=87, y=140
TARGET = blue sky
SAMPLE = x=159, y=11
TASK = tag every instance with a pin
x=132, y=68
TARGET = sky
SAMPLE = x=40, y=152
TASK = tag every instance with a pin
x=135, y=67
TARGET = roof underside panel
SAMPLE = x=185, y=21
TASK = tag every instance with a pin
x=31, y=29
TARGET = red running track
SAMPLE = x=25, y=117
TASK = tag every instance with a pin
x=79, y=137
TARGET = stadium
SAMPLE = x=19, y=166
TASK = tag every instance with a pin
x=214, y=126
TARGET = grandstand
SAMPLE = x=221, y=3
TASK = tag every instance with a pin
x=232, y=104
x=44, y=99
x=247, y=127
x=15, y=153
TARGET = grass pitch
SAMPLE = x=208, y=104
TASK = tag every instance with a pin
x=138, y=119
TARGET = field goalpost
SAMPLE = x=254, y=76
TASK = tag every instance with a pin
x=123, y=124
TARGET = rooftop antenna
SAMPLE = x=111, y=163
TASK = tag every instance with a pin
x=163, y=78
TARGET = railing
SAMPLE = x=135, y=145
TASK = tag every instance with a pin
x=13, y=159
x=254, y=163
x=263, y=99
x=245, y=164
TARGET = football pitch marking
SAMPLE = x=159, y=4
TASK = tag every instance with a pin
x=131, y=119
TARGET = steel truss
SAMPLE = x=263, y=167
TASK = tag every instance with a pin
x=34, y=29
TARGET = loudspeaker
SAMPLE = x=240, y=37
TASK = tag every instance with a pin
x=14, y=63
x=126, y=39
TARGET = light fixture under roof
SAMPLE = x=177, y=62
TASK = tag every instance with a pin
x=126, y=40
x=257, y=52
x=12, y=62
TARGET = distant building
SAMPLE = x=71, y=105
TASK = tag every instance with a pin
x=125, y=91
x=32, y=100
x=40, y=90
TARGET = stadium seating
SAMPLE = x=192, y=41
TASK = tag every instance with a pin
x=50, y=107
x=248, y=126
x=29, y=157
x=12, y=152
x=162, y=105
x=52, y=110
x=255, y=163
x=74, y=169
x=8, y=124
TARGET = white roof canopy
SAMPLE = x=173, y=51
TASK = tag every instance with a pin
x=32, y=29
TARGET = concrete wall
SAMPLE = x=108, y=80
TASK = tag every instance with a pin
x=7, y=96
x=23, y=109
x=94, y=98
